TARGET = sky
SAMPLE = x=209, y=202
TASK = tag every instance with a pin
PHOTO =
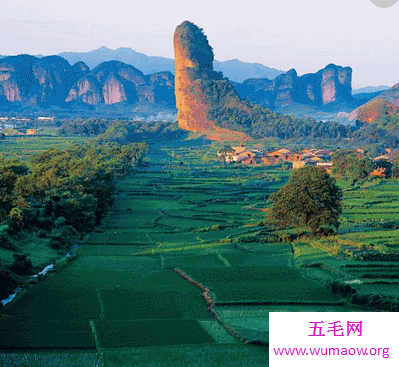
x=305, y=35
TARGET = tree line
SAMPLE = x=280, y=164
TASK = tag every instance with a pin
x=74, y=186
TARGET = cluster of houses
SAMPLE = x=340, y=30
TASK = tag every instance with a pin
x=307, y=157
x=12, y=132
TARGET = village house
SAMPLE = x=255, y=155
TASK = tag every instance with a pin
x=326, y=165
x=269, y=160
x=281, y=154
x=251, y=160
x=382, y=167
x=301, y=164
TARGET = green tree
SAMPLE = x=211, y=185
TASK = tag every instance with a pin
x=310, y=199
x=10, y=170
x=348, y=166
x=15, y=220
x=224, y=152
x=395, y=167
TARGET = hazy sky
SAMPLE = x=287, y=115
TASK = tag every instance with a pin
x=302, y=34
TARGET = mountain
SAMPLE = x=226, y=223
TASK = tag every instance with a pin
x=370, y=89
x=209, y=103
x=30, y=80
x=52, y=81
x=114, y=82
x=235, y=70
x=147, y=64
x=331, y=84
x=238, y=71
x=198, y=88
x=385, y=103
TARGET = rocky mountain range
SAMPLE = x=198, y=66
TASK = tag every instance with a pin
x=326, y=86
x=52, y=81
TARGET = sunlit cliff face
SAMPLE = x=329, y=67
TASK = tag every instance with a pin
x=190, y=100
x=193, y=66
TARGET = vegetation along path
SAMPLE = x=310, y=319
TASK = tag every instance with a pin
x=121, y=302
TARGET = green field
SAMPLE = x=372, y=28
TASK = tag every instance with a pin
x=122, y=298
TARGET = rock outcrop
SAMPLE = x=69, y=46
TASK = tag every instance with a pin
x=384, y=104
x=198, y=88
x=110, y=82
x=52, y=81
x=16, y=77
x=193, y=60
x=322, y=88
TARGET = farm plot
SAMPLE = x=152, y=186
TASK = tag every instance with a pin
x=140, y=219
x=45, y=303
x=49, y=358
x=217, y=234
x=258, y=259
x=128, y=304
x=132, y=305
x=167, y=239
x=163, y=281
x=206, y=260
x=389, y=238
x=24, y=333
x=94, y=272
x=111, y=250
x=272, y=284
x=390, y=290
x=210, y=355
x=247, y=312
x=271, y=248
x=384, y=273
x=184, y=224
x=151, y=203
x=124, y=236
x=197, y=214
x=126, y=333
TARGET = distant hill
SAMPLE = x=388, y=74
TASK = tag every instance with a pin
x=238, y=71
x=384, y=103
x=235, y=70
x=370, y=89
x=146, y=64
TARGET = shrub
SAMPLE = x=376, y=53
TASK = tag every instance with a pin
x=61, y=262
x=41, y=234
x=218, y=227
x=8, y=282
x=15, y=220
x=55, y=244
x=22, y=264
x=341, y=289
x=59, y=222
x=63, y=237
x=5, y=242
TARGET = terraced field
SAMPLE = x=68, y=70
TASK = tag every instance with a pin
x=121, y=302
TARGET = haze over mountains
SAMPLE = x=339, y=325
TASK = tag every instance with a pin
x=129, y=78
x=235, y=70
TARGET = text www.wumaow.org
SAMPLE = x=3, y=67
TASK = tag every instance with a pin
x=382, y=352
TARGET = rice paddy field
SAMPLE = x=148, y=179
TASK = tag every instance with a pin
x=122, y=303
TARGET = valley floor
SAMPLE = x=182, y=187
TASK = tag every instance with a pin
x=122, y=301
